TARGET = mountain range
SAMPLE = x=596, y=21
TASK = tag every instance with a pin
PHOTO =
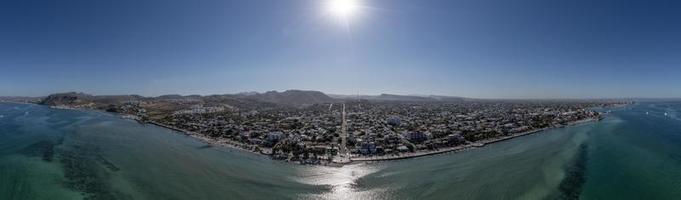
x=294, y=98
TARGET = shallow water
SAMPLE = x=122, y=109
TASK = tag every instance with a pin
x=65, y=154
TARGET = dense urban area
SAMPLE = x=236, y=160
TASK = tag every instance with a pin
x=311, y=127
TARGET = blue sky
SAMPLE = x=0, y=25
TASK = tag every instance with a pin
x=472, y=48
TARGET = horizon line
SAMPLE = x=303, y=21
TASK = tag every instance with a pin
x=359, y=95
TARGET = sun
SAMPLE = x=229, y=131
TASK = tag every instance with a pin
x=343, y=9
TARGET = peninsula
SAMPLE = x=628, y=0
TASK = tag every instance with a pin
x=310, y=127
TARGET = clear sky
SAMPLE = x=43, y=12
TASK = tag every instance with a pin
x=471, y=48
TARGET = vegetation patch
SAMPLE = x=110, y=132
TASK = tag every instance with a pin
x=44, y=149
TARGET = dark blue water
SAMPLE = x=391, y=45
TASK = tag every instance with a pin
x=637, y=154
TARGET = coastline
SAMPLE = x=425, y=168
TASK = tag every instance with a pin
x=208, y=140
x=362, y=159
x=227, y=143
x=465, y=147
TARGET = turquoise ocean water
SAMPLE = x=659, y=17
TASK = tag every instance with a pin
x=634, y=153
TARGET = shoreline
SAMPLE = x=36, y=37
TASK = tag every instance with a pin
x=208, y=140
x=359, y=159
x=469, y=146
x=227, y=143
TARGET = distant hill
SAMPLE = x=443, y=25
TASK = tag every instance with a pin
x=294, y=98
x=170, y=96
x=69, y=98
x=116, y=99
x=404, y=98
x=394, y=97
x=289, y=97
x=450, y=98
x=81, y=99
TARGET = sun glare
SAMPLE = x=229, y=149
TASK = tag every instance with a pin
x=343, y=9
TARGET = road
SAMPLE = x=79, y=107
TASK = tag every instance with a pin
x=344, y=134
x=343, y=155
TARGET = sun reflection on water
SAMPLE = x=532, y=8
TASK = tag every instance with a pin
x=341, y=181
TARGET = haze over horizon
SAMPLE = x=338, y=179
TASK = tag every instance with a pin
x=467, y=48
x=346, y=96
